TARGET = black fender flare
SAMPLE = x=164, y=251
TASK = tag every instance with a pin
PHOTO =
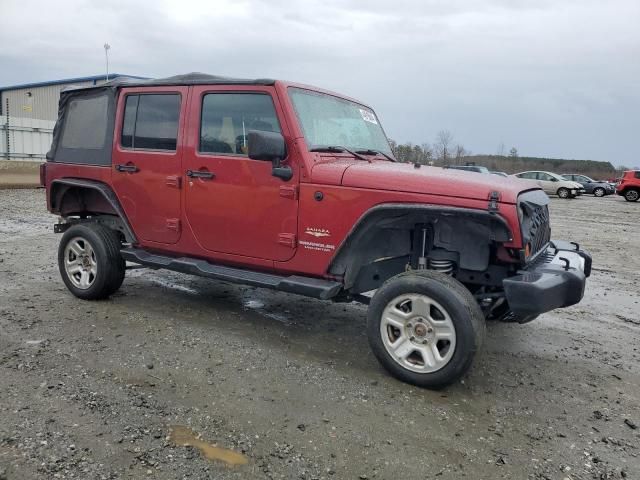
x=343, y=259
x=61, y=185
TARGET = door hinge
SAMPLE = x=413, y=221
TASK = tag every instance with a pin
x=174, y=181
x=173, y=224
x=494, y=197
x=287, y=239
x=289, y=191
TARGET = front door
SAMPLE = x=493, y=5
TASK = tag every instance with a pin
x=146, y=161
x=234, y=205
x=548, y=183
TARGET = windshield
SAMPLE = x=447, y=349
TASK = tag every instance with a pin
x=331, y=121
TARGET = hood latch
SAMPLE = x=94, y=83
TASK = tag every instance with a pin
x=494, y=197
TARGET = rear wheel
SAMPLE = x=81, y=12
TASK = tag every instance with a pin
x=90, y=262
x=599, y=192
x=563, y=192
x=631, y=195
x=425, y=328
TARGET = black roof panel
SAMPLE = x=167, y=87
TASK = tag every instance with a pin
x=194, y=78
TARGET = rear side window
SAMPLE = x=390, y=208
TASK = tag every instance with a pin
x=228, y=117
x=528, y=175
x=637, y=174
x=85, y=124
x=151, y=122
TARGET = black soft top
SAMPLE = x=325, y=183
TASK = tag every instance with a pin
x=83, y=133
x=193, y=78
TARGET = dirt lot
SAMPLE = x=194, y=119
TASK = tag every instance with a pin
x=19, y=174
x=90, y=390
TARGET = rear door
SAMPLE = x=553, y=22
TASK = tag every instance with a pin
x=234, y=205
x=147, y=155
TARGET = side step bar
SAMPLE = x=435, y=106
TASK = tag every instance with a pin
x=307, y=286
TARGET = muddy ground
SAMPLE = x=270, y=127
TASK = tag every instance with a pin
x=14, y=174
x=90, y=390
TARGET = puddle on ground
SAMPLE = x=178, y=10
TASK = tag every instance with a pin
x=258, y=306
x=174, y=286
x=253, y=304
x=182, y=436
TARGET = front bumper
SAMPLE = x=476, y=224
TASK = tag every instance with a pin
x=555, y=279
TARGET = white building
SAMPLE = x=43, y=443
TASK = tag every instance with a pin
x=28, y=113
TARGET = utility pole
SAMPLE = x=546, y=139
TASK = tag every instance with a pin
x=8, y=141
x=106, y=56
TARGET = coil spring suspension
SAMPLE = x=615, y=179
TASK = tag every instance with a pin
x=442, y=266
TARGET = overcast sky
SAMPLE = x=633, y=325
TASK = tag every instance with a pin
x=555, y=78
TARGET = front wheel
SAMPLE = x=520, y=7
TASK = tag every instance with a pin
x=90, y=262
x=425, y=328
x=631, y=195
x=563, y=192
x=599, y=192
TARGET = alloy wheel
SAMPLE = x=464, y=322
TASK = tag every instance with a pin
x=418, y=333
x=80, y=263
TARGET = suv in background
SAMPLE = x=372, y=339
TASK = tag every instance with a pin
x=594, y=187
x=553, y=184
x=289, y=187
x=629, y=186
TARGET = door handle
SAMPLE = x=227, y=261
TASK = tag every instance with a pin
x=127, y=168
x=200, y=174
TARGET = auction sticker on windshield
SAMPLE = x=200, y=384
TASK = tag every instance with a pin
x=368, y=116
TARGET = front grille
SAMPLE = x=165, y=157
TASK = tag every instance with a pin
x=539, y=231
x=534, y=217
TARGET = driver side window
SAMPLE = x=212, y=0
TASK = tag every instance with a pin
x=228, y=117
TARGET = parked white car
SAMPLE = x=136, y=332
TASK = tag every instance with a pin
x=552, y=183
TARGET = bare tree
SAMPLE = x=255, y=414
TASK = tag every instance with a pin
x=427, y=153
x=500, y=150
x=460, y=154
x=443, y=145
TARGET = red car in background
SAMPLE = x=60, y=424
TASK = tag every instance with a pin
x=629, y=186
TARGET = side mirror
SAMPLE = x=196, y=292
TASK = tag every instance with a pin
x=554, y=179
x=270, y=147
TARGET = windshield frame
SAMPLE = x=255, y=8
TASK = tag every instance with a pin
x=324, y=93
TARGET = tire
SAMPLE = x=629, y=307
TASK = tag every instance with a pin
x=89, y=261
x=599, y=192
x=395, y=324
x=563, y=192
x=631, y=195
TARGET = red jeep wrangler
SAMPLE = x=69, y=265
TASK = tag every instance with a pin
x=629, y=186
x=289, y=187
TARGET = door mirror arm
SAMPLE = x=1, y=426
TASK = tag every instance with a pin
x=285, y=173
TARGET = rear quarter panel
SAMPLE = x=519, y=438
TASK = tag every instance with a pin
x=56, y=171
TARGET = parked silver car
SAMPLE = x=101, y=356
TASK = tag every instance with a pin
x=552, y=183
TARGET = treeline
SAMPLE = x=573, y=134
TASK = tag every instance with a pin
x=446, y=151
x=591, y=168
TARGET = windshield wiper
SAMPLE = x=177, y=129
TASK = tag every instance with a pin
x=371, y=151
x=339, y=149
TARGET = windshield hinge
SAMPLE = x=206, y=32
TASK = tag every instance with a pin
x=289, y=191
x=494, y=197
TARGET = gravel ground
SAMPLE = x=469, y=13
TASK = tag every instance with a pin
x=101, y=390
